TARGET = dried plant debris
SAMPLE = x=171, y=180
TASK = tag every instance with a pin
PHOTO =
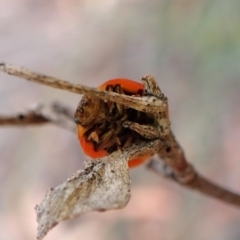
x=102, y=185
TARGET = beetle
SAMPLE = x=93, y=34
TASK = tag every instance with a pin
x=100, y=122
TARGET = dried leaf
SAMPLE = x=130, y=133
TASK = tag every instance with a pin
x=102, y=185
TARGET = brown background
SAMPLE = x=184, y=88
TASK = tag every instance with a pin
x=193, y=49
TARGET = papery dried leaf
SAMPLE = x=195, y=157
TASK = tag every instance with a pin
x=100, y=186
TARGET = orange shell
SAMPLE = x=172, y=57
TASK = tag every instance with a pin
x=88, y=148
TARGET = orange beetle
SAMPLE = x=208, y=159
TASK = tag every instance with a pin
x=99, y=122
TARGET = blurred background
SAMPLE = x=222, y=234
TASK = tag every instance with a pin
x=191, y=47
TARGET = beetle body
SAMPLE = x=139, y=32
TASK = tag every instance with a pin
x=100, y=123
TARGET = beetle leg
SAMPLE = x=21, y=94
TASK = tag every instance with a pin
x=106, y=140
x=94, y=137
x=109, y=104
x=120, y=108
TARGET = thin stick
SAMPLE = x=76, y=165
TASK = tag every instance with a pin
x=138, y=103
x=55, y=113
x=23, y=119
x=198, y=183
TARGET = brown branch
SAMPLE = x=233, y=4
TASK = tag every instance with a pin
x=146, y=104
x=173, y=156
x=23, y=119
x=55, y=113
x=152, y=102
x=198, y=183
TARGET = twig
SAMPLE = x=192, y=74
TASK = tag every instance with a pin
x=198, y=183
x=55, y=113
x=139, y=103
x=23, y=119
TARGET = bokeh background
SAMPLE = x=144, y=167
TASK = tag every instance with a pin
x=193, y=49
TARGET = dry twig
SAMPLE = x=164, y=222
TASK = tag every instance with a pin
x=138, y=103
x=39, y=114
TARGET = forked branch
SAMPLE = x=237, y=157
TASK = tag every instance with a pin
x=166, y=146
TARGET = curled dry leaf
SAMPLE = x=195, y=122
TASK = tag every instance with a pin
x=102, y=185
